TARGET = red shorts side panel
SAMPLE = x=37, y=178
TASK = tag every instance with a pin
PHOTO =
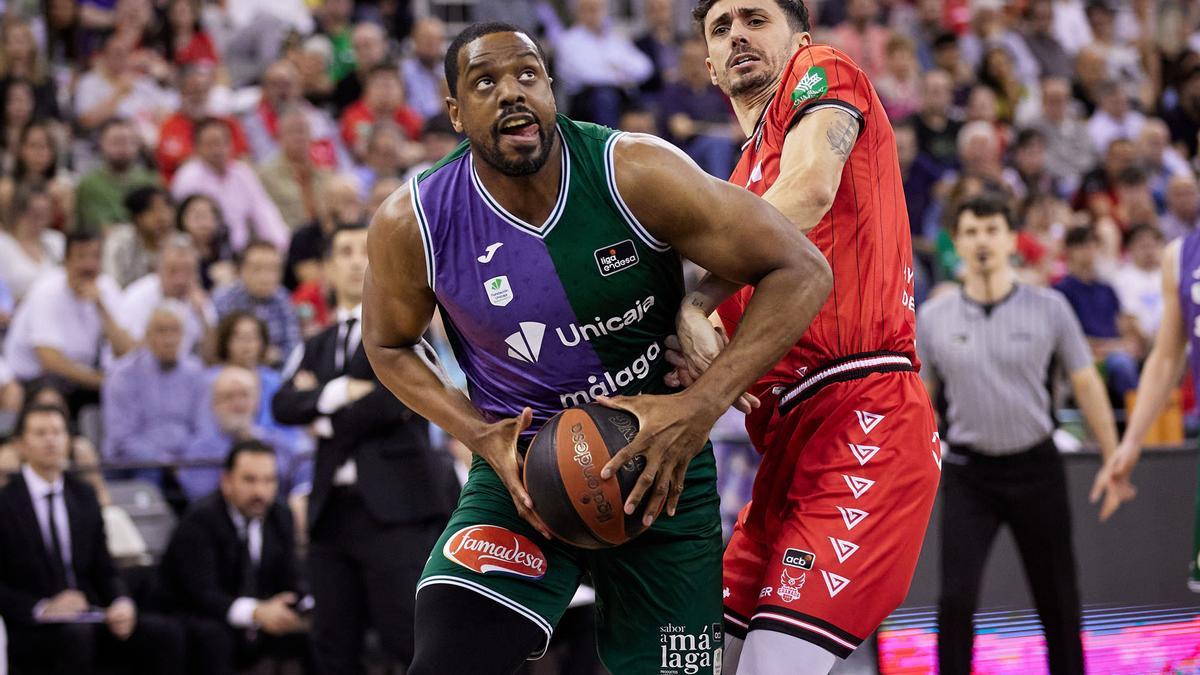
x=827, y=547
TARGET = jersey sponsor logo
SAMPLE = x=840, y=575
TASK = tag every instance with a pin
x=526, y=344
x=813, y=85
x=867, y=420
x=490, y=549
x=789, y=586
x=489, y=252
x=852, y=517
x=794, y=557
x=686, y=653
x=863, y=453
x=765, y=592
x=836, y=583
x=616, y=257
x=611, y=383
x=843, y=549
x=858, y=485
x=499, y=292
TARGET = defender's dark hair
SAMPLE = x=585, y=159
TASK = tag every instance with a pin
x=79, y=238
x=796, y=12
x=344, y=227
x=472, y=33
x=141, y=199
x=252, y=445
x=984, y=205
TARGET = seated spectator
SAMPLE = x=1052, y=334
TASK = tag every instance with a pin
x=259, y=290
x=368, y=43
x=695, y=114
x=184, y=41
x=382, y=101
x=25, y=60
x=231, y=571
x=1138, y=281
x=29, y=249
x=100, y=197
x=1069, y=150
x=131, y=251
x=1052, y=59
x=387, y=154
x=46, y=587
x=83, y=460
x=1040, y=240
x=1161, y=161
x=1114, y=118
x=37, y=166
x=177, y=280
x=341, y=205
x=65, y=323
x=282, y=89
x=1135, y=201
x=1184, y=117
x=661, y=44
x=1123, y=60
x=1029, y=175
x=862, y=38
x=18, y=114
x=998, y=73
x=936, y=125
x=1098, y=189
x=1091, y=74
x=250, y=34
x=248, y=210
x=291, y=178
x=438, y=139
x=242, y=342
x=178, y=131
x=1109, y=329
x=423, y=72
x=598, y=66
x=234, y=409
x=114, y=88
x=153, y=397
x=199, y=217
x=899, y=87
x=1183, y=207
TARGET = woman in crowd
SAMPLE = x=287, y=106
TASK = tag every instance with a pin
x=200, y=218
x=184, y=42
x=242, y=341
x=18, y=114
x=22, y=59
x=28, y=246
x=36, y=163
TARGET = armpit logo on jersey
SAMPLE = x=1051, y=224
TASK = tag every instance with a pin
x=616, y=257
x=814, y=84
x=687, y=653
x=794, y=557
x=490, y=549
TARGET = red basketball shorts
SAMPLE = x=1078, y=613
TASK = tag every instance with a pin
x=826, y=548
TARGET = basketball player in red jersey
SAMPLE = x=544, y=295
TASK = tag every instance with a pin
x=827, y=546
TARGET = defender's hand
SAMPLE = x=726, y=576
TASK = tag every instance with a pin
x=499, y=448
x=685, y=374
x=671, y=431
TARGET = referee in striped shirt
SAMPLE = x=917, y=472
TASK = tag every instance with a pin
x=991, y=348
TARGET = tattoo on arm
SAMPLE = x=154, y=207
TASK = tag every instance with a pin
x=841, y=134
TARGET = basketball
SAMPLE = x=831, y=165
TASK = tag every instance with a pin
x=562, y=475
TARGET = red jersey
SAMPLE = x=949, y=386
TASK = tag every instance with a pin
x=864, y=236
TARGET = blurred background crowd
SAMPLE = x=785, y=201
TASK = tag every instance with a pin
x=171, y=172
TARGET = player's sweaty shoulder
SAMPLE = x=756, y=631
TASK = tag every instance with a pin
x=394, y=235
x=648, y=168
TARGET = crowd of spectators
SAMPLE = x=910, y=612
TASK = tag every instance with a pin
x=171, y=172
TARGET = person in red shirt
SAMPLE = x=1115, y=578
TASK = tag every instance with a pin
x=826, y=548
x=175, y=136
x=383, y=99
x=184, y=41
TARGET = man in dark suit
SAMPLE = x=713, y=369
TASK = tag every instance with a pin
x=230, y=569
x=380, y=493
x=60, y=595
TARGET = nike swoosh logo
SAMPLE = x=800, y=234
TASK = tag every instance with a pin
x=489, y=252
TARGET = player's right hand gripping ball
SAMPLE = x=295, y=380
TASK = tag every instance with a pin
x=562, y=475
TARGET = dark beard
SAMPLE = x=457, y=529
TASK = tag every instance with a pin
x=750, y=85
x=521, y=166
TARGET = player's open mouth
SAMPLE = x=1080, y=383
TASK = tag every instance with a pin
x=743, y=61
x=522, y=126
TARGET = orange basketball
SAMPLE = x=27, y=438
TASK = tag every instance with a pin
x=562, y=475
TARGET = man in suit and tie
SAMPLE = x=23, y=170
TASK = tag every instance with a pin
x=230, y=569
x=380, y=495
x=60, y=595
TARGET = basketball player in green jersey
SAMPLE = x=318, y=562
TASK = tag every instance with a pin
x=552, y=249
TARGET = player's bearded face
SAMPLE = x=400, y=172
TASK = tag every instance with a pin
x=748, y=48
x=516, y=156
